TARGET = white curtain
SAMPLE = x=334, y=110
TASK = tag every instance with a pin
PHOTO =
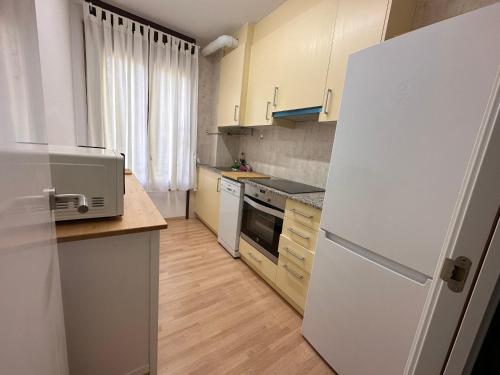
x=130, y=75
x=173, y=67
x=117, y=86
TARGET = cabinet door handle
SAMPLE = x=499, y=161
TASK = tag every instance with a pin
x=267, y=110
x=293, y=273
x=292, y=253
x=275, y=97
x=218, y=184
x=327, y=101
x=254, y=257
x=291, y=230
x=236, y=107
x=301, y=213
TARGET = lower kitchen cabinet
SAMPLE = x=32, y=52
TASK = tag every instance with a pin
x=300, y=233
x=110, y=300
x=258, y=262
x=109, y=285
x=293, y=282
x=297, y=245
x=296, y=253
x=208, y=197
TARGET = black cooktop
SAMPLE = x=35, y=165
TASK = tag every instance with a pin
x=290, y=187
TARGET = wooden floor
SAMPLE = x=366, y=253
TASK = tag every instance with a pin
x=218, y=317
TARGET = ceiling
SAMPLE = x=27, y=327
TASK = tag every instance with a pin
x=203, y=20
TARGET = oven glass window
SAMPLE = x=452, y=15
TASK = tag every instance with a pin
x=262, y=228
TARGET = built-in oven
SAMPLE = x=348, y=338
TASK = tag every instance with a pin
x=262, y=220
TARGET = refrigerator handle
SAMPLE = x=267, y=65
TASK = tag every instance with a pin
x=382, y=261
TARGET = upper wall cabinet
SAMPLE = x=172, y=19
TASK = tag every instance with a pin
x=233, y=80
x=289, y=59
x=262, y=78
x=360, y=24
x=303, y=53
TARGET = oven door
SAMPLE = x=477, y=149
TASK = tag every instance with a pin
x=261, y=226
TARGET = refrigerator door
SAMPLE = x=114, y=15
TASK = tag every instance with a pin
x=363, y=318
x=410, y=117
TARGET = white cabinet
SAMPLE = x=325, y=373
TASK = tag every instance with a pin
x=110, y=300
x=289, y=59
x=233, y=80
x=208, y=197
x=360, y=24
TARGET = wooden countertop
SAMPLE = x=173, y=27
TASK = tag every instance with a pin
x=242, y=175
x=139, y=215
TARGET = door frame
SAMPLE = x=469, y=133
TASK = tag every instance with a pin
x=479, y=311
x=467, y=235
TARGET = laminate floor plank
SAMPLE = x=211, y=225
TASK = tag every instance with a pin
x=216, y=316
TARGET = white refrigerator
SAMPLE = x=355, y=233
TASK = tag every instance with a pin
x=414, y=179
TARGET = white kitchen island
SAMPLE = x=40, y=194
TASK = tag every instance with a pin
x=109, y=277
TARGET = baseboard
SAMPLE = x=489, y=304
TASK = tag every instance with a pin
x=205, y=224
x=175, y=218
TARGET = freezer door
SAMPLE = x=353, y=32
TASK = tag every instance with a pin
x=361, y=316
x=410, y=116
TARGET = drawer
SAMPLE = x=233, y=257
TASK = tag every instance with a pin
x=302, y=213
x=292, y=281
x=257, y=261
x=297, y=254
x=299, y=233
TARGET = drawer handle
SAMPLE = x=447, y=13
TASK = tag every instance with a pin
x=293, y=273
x=294, y=254
x=327, y=101
x=293, y=231
x=301, y=213
x=236, y=107
x=254, y=257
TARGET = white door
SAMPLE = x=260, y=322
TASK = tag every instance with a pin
x=31, y=315
x=412, y=182
x=469, y=235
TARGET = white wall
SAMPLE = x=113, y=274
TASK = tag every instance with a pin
x=52, y=18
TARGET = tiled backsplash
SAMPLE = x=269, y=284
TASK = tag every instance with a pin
x=301, y=154
x=208, y=83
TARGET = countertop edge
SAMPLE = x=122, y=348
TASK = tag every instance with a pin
x=310, y=201
x=112, y=233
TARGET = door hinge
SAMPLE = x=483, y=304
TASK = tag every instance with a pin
x=455, y=272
